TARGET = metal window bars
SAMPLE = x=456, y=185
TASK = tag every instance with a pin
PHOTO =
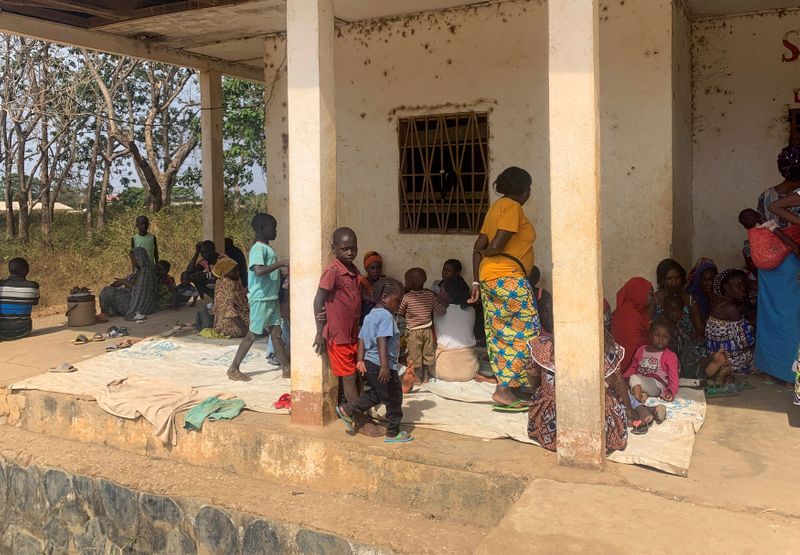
x=444, y=176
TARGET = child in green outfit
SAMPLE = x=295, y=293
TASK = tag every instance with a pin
x=263, y=289
x=144, y=239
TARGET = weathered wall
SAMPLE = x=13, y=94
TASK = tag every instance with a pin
x=51, y=511
x=494, y=58
x=742, y=93
x=682, y=207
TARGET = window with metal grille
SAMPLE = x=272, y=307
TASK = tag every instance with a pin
x=794, y=126
x=444, y=174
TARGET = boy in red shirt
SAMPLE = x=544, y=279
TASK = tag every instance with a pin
x=339, y=297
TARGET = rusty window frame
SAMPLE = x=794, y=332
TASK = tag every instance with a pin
x=444, y=172
x=794, y=126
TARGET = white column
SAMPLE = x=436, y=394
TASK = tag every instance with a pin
x=577, y=257
x=211, y=150
x=312, y=194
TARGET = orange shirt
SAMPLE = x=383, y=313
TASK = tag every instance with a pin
x=507, y=214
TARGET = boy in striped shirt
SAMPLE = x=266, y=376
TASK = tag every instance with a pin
x=418, y=306
x=17, y=298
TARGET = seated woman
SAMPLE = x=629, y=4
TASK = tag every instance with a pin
x=134, y=296
x=456, y=358
x=630, y=324
x=671, y=280
x=727, y=330
x=542, y=414
x=231, y=310
x=166, y=290
x=701, y=289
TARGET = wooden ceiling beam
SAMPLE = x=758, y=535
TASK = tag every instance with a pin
x=165, y=9
x=22, y=7
x=122, y=46
x=113, y=14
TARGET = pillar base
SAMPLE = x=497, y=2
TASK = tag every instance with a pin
x=313, y=408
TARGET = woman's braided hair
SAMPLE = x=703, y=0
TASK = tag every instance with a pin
x=386, y=286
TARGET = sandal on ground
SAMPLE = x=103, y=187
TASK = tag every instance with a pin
x=660, y=413
x=716, y=390
x=98, y=337
x=63, y=368
x=511, y=406
x=402, y=437
x=284, y=402
x=346, y=418
x=639, y=427
x=80, y=340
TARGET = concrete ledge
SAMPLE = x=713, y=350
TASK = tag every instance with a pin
x=259, y=446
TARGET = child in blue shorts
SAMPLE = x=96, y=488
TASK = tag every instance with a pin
x=262, y=296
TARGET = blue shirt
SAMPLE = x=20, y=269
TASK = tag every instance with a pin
x=263, y=288
x=380, y=323
x=17, y=297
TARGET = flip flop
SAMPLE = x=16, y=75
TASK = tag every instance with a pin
x=640, y=427
x=80, y=340
x=509, y=408
x=719, y=391
x=346, y=418
x=98, y=337
x=661, y=414
x=63, y=368
x=284, y=402
x=124, y=344
x=402, y=437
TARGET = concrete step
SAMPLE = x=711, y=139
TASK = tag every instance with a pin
x=423, y=477
x=78, y=495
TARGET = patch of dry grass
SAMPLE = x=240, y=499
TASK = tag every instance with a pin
x=77, y=260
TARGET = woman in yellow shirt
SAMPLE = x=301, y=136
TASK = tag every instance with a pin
x=502, y=259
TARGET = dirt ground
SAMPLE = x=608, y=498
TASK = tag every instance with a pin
x=741, y=494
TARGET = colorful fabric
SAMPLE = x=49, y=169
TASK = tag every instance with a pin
x=264, y=315
x=778, y=319
x=380, y=323
x=695, y=286
x=231, y=308
x=263, y=288
x=143, y=293
x=17, y=299
x=736, y=339
x=165, y=292
x=148, y=243
x=212, y=408
x=542, y=414
x=662, y=366
x=768, y=197
x=511, y=319
x=209, y=333
x=796, y=369
x=507, y=214
x=418, y=307
x=767, y=249
x=370, y=258
x=631, y=320
x=342, y=358
x=343, y=304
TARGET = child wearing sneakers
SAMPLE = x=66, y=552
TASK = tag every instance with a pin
x=418, y=306
x=378, y=345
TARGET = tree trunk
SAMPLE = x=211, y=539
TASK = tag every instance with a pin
x=22, y=192
x=8, y=165
x=44, y=153
x=107, y=161
x=92, y=177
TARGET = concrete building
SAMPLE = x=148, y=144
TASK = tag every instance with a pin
x=647, y=125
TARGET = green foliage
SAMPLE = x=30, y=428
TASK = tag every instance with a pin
x=75, y=260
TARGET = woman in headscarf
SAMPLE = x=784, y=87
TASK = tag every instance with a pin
x=542, y=414
x=778, y=306
x=501, y=261
x=630, y=324
x=373, y=265
x=135, y=296
x=701, y=288
x=231, y=310
x=727, y=330
x=789, y=168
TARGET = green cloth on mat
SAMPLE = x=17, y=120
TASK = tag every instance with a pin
x=212, y=408
x=209, y=333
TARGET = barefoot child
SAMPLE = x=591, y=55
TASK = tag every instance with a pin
x=378, y=345
x=654, y=370
x=262, y=296
x=144, y=239
x=418, y=306
x=339, y=296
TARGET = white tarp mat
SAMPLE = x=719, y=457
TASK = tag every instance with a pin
x=466, y=408
x=191, y=360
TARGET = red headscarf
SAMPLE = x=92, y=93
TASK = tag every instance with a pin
x=631, y=322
